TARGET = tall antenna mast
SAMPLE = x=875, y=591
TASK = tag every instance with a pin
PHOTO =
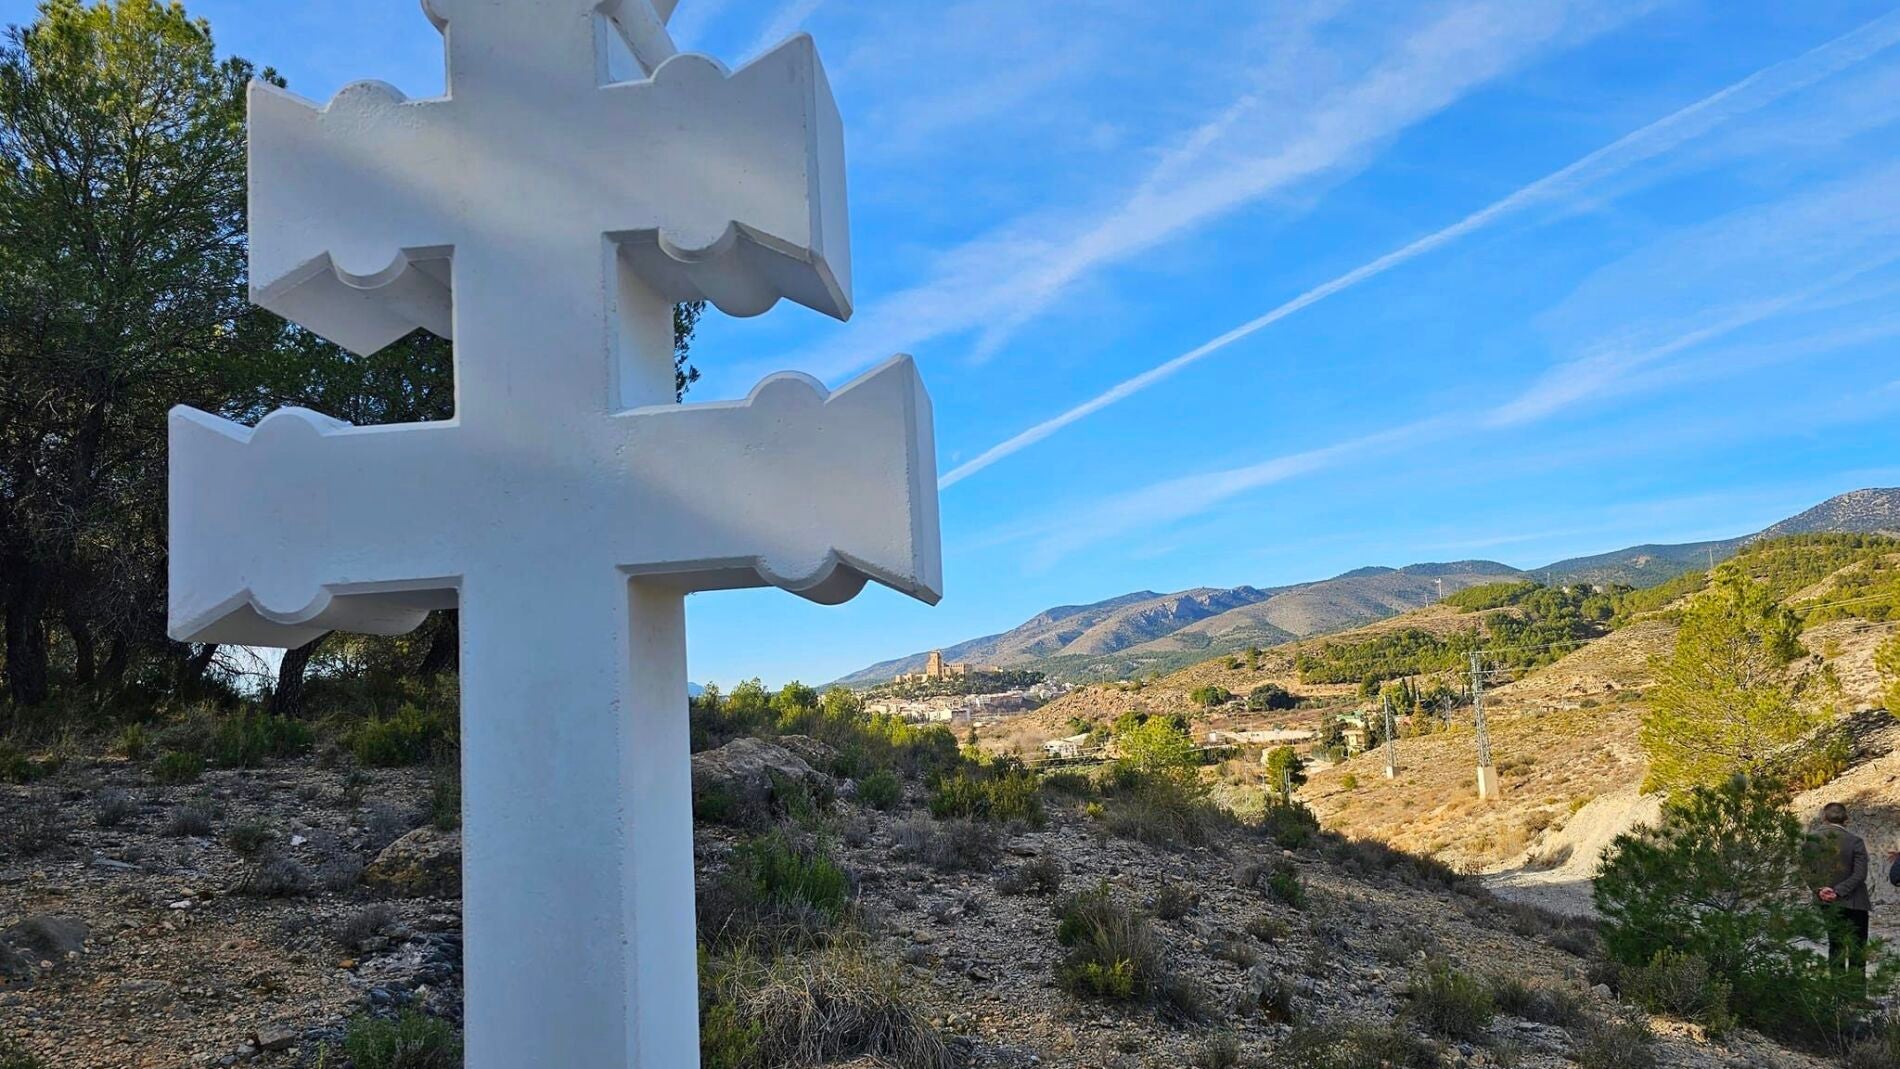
x=1487, y=776
x=1391, y=741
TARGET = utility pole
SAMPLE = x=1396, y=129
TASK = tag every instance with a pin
x=1487, y=776
x=1391, y=741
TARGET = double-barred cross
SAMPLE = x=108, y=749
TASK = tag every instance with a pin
x=548, y=219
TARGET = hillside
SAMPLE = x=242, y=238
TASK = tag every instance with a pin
x=1564, y=733
x=1641, y=566
x=1143, y=633
x=1138, y=634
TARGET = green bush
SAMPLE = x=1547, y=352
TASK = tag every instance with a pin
x=1450, y=1003
x=245, y=740
x=1279, y=880
x=177, y=768
x=1041, y=875
x=249, y=838
x=954, y=845
x=1723, y=878
x=788, y=876
x=1209, y=696
x=411, y=1041
x=1614, y=1044
x=412, y=737
x=135, y=742
x=1678, y=984
x=881, y=789
x=1113, y=954
x=996, y=795
x=1355, y=1046
x=16, y=767
x=1536, y=1001
x=445, y=799
x=824, y=1007
x=13, y=1056
x=1291, y=825
x=1163, y=809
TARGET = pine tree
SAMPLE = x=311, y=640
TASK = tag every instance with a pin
x=1723, y=704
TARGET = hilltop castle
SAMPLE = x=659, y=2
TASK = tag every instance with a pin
x=935, y=669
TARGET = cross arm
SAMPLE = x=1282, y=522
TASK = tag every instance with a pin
x=307, y=524
x=817, y=492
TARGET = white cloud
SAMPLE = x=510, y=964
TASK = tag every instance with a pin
x=1751, y=93
x=1248, y=150
x=1604, y=372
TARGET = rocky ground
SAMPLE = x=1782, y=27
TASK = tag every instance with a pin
x=242, y=919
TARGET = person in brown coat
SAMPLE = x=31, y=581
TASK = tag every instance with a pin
x=1843, y=897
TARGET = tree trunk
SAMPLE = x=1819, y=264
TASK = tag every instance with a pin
x=29, y=678
x=287, y=699
x=85, y=649
x=191, y=670
x=118, y=659
x=445, y=647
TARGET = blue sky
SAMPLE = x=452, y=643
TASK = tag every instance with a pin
x=1241, y=292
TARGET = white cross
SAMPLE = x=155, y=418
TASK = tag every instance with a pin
x=548, y=220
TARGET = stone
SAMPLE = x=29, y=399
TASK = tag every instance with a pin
x=549, y=220
x=46, y=937
x=276, y=1038
x=746, y=770
x=426, y=863
x=818, y=755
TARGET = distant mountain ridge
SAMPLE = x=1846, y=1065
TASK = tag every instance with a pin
x=1147, y=631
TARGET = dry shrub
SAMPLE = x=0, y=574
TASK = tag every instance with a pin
x=836, y=1003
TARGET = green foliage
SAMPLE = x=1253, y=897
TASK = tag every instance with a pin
x=1449, y=1002
x=1615, y=1044
x=1678, y=984
x=1286, y=772
x=865, y=742
x=249, y=838
x=1271, y=697
x=414, y=736
x=246, y=739
x=1355, y=1045
x=1489, y=595
x=1722, y=878
x=827, y=1006
x=1722, y=704
x=1545, y=1003
x=176, y=768
x=16, y=767
x=445, y=799
x=1001, y=792
x=1157, y=746
x=1209, y=696
x=1113, y=954
x=135, y=742
x=1279, y=880
x=786, y=875
x=13, y=1056
x=411, y=1041
x=1785, y=566
x=1170, y=807
x=1291, y=825
x=881, y=789
x=1821, y=761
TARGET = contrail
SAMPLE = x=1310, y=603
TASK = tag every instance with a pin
x=1762, y=87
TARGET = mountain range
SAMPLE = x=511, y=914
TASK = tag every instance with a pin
x=1142, y=632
